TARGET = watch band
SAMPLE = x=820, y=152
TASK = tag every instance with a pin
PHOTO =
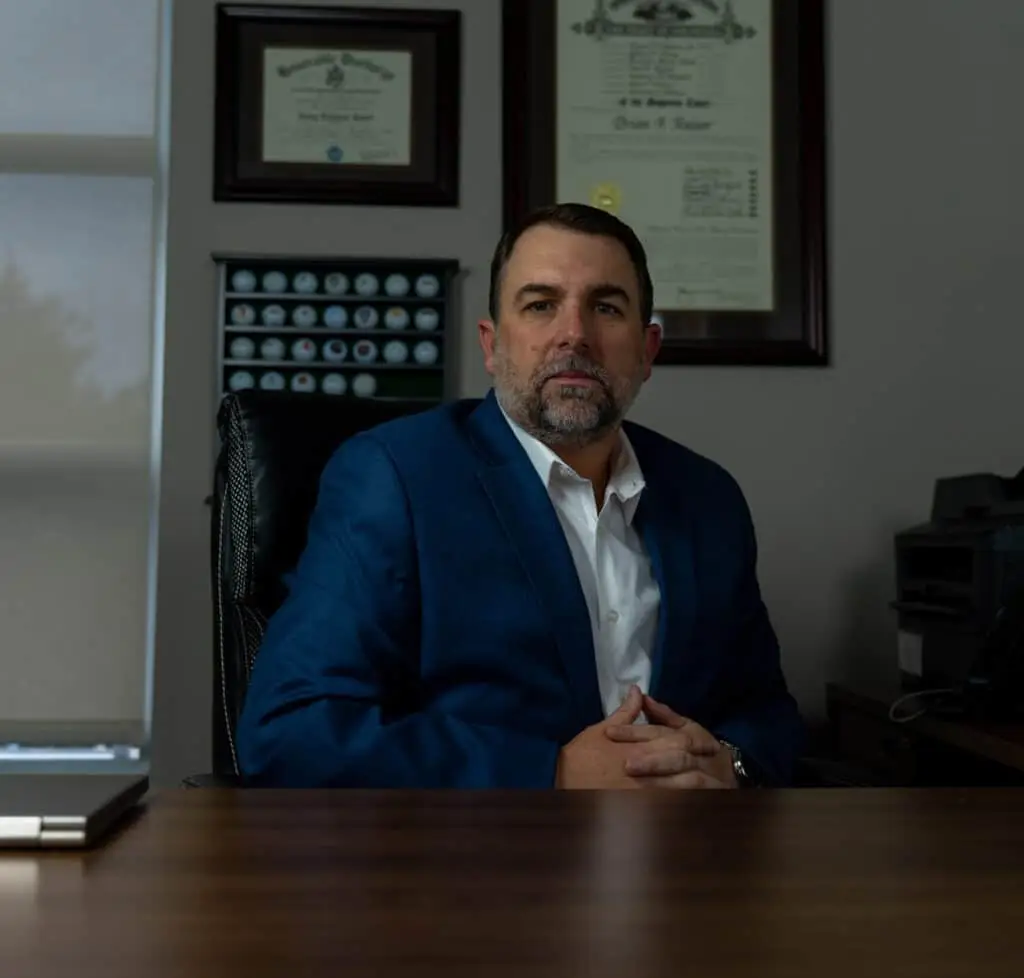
x=743, y=777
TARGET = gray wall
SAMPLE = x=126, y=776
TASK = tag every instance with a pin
x=926, y=230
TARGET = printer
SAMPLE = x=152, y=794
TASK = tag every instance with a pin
x=960, y=596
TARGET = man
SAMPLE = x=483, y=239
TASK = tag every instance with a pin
x=524, y=591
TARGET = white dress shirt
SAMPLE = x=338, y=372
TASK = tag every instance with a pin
x=611, y=560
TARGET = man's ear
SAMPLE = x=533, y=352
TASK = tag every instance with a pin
x=487, y=333
x=653, y=334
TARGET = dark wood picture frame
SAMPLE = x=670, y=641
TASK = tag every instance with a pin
x=794, y=333
x=433, y=38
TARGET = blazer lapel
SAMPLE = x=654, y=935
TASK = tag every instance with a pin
x=522, y=505
x=664, y=526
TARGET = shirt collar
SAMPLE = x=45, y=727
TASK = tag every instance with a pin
x=627, y=478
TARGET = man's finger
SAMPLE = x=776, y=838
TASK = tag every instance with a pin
x=637, y=734
x=630, y=709
x=688, y=779
x=661, y=764
x=659, y=713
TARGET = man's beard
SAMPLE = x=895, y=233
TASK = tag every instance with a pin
x=564, y=413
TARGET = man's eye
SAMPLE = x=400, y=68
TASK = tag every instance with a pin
x=541, y=305
x=607, y=309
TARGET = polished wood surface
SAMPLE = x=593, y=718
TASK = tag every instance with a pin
x=782, y=884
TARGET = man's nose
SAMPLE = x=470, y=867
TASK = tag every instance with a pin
x=574, y=326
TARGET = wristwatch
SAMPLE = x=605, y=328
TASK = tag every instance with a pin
x=743, y=777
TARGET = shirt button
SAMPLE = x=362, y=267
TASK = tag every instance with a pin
x=613, y=616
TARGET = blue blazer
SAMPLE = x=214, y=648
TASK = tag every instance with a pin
x=436, y=635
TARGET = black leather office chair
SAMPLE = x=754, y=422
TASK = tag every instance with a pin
x=273, y=450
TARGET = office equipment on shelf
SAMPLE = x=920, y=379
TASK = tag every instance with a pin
x=960, y=600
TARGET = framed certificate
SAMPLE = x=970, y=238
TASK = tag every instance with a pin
x=337, y=105
x=701, y=124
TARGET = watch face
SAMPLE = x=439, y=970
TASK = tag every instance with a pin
x=303, y=383
x=272, y=381
x=305, y=282
x=241, y=380
x=335, y=317
x=243, y=281
x=304, y=350
x=275, y=282
x=396, y=285
x=365, y=351
x=304, y=316
x=425, y=353
x=335, y=350
x=334, y=384
x=272, y=349
x=336, y=284
x=365, y=317
x=242, y=348
x=396, y=318
x=427, y=286
x=364, y=385
x=427, y=319
x=366, y=284
x=396, y=351
x=273, y=315
x=243, y=314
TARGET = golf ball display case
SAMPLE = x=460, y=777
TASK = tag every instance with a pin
x=344, y=327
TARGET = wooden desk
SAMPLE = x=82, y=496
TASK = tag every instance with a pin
x=214, y=884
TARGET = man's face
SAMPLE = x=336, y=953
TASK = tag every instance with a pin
x=570, y=350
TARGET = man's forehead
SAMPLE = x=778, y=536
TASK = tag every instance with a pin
x=559, y=256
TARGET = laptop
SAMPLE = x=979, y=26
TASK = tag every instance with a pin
x=64, y=810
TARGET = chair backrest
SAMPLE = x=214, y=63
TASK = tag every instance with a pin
x=273, y=449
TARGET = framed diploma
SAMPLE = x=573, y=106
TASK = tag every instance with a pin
x=337, y=105
x=701, y=124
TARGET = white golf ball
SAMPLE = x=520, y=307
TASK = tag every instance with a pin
x=304, y=350
x=367, y=284
x=242, y=348
x=336, y=283
x=243, y=281
x=366, y=317
x=334, y=384
x=275, y=282
x=364, y=351
x=336, y=317
x=425, y=352
x=243, y=314
x=427, y=319
x=396, y=318
x=305, y=282
x=396, y=352
x=303, y=383
x=335, y=350
x=241, y=380
x=272, y=348
x=304, y=316
x=364, y=385
x=273, y=315
x=272, y=381
x=427, y=286
x=396, y=285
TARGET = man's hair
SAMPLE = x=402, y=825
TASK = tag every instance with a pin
x=584, y=220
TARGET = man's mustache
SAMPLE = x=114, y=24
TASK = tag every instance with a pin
x=574, y=364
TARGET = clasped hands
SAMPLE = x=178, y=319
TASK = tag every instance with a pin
x=669, y=751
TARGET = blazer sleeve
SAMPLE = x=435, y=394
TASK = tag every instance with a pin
x=334, y=694
x=761, y=716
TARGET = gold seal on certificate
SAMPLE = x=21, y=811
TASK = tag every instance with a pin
x=342, y=107
x=607, y=196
